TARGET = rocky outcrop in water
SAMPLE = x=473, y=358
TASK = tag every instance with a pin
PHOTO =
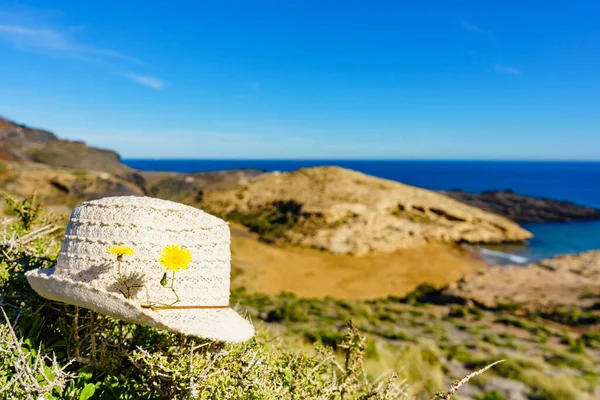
x=520, y=208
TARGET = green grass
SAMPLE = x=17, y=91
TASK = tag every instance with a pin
x=493, y=395
x=572, y=316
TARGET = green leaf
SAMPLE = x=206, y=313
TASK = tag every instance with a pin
x=86, y=374
x=87, y=392
x=163, y=281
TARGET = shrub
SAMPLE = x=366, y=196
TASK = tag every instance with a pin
x=271, y=221
x=59, y=351
x=493, y=395
x=458, y=311
x=421, y=293
x=591, y=339
x=571, y=316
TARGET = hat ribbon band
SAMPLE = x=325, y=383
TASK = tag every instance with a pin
x=188, y=307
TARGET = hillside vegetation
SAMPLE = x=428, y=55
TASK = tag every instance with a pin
x=305, y=348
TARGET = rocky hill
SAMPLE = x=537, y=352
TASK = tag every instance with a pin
x=22, y=143
x=13, y=132
x=347, y=212
x=520, y=208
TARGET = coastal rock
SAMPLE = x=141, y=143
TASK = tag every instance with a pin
x=520, y=208
x=568, y=280
x=347, y=212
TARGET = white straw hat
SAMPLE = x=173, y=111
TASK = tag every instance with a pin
x=87, y=275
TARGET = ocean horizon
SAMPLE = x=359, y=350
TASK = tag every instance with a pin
x=575, y=181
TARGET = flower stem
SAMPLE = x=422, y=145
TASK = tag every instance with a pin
x=127, y=293
x=173, y=288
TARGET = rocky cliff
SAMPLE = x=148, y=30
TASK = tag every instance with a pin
x=347, y=212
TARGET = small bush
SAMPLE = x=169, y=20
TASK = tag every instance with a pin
x=421, y=293
x=571, y=316
x=327, y=338
x=458, y=311
x=591, y=339
x=272, y=221
x=493, y=395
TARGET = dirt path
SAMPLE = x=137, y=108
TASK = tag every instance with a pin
x=312, y=273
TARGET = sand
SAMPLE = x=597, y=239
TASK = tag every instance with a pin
x=316, y=274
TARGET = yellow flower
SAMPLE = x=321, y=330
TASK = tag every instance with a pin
x=119, y=251
x=175, y=257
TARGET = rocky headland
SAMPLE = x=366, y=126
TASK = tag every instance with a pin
x=347, y=212
x=521, y=208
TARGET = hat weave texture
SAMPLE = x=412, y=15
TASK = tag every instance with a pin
x=85, y=273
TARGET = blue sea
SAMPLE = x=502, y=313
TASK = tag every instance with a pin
x=578, y=182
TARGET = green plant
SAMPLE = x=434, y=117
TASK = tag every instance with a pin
x=28, y=210
x=271, y=221
x=420, y=294
x=459, y=311
x=493, y=395
x=59, y=351
x=571, y=316
x=591, y=339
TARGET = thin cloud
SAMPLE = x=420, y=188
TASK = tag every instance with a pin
x=28, y=32
x=146, y=80
x=51, y=40
x=471, y=27
x=507, y=70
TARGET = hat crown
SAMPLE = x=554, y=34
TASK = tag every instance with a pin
x=147, y=226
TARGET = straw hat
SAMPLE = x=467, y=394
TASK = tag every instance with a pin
x=133, y=257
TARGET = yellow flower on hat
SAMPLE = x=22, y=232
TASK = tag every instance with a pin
x=174, y=257
x=119, y=251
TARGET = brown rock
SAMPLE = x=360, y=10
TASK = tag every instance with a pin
x=572, y=280
x=347, y=212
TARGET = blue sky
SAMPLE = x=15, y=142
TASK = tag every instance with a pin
x=308, y=79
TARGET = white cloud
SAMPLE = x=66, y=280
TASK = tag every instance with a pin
x=507, y=70
x=146, y=80
x=31, y=32
x=471, y=27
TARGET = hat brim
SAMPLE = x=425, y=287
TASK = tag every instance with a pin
x=217, y=324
